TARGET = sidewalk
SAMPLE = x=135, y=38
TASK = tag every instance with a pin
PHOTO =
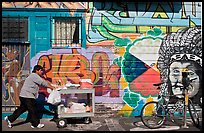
x=104, y=120
x=100, y=123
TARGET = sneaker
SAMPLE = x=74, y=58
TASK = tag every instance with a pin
x=39, y=126
x=8, y=122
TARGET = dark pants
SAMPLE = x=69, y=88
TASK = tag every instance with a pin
x=41, y=103
x=27, y=104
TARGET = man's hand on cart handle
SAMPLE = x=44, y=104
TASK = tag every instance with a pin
x=51, y=86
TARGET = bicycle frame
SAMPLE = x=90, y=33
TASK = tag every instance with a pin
x=177, y=107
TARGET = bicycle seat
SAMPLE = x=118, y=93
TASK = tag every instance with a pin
x=157, y=84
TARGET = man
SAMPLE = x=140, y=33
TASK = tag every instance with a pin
x=28, y=95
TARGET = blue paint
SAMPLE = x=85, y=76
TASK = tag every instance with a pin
x=139, y=14
x=24, y=115
x=137, y=111
x=133, y=67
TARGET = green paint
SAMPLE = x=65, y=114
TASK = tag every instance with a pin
x=87, y=64
x=155, y=32
x=90, y=7
x=117, y=28
x=122, y=42
x=131, y=98
x=118, y=61
x=103, y=31
x=123, y=14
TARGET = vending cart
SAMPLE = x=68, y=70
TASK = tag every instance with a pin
x=76, y=103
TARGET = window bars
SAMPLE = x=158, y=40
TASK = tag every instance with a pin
x=66, y=32
x=14, y=29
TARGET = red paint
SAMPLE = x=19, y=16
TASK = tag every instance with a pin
x=144, y=83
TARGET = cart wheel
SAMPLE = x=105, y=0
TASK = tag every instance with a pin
x=61, y=123
x=87, y=120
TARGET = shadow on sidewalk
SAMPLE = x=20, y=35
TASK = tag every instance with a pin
x=20, y=123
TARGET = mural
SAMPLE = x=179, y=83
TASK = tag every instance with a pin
x=15, y=69
x=130, y=46
x=178, y=51
x=110, y=20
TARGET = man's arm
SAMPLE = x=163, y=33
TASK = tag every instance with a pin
x=50, y=86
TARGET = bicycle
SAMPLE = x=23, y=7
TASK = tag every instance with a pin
x=154, y=113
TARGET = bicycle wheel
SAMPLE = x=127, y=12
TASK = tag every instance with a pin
x=153, y=115
x=193, y=113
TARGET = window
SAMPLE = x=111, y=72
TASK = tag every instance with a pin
x=66, y=33
x=14, y=29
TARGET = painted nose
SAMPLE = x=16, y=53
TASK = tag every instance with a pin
x=178, y=81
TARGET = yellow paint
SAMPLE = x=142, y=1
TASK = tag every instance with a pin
x=155, y=67
x=186, y=99
x=149, y=99
x=149, y=108
x=175, y=29
x=121, y=51
x=183, y=14
x=143, y=29
x=123, y=83
x=125, y=110
x=192, y=24
x=160, y=12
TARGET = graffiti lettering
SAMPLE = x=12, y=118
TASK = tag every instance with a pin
x=187, y=57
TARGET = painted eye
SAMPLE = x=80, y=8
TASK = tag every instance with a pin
x=191, y=73
x=176, y=72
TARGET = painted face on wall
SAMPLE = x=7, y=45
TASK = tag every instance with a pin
x=175, y=75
